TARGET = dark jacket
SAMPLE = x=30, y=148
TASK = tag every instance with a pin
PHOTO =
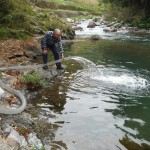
x=48, y=40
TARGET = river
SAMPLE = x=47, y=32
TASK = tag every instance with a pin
x=102, y=101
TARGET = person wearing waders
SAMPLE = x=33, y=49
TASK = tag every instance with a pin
x=49, y=42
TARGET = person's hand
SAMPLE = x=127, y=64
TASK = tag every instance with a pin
x=44, y=51
x=62, y=56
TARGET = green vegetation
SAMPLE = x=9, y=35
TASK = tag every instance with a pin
x=95, y=37
x=33, y=79
x=78, y=5
x=134, y=12
x=21, y=19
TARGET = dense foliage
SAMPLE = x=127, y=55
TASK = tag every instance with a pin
x=5, y=7
x=143, y=5
x=133, y=12
x=21, y=19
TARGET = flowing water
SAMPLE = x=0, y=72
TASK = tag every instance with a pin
x=102, y=101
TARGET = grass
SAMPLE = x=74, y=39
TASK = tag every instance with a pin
x=24, y=19
x=33, y=78
x=87, y=5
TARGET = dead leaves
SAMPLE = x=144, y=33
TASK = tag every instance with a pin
x=13, y=51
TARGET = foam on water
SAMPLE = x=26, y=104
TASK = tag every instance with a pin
x=110, y=77
x=129, y=81
x=123, y=34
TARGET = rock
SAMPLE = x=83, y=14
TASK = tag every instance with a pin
x=24, y=119
x=96, y=19
x=77, y=28
x=91, y=24
x=97, y=24
x=78, y=22
x=140, y=31
x=101, y=21
x=110, y=24
x=30, y=54
x=14, y=139
x=117, y=25
x=33, y=140
x=12, y=143
x=5, y=146
x=73, y=24
x=16, y=54
x=6, y=130
x=70, y=20
x=105, y=22
x=108, y=29
x=81, y=20
x=132, y=29
x=95, y=37
x=1, y=93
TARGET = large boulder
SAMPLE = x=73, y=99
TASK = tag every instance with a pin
x=91, y=24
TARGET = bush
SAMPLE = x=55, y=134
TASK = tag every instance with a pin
x=33, y=80
x=6, y=6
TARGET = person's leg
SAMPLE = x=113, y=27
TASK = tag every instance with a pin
x=56, y=56
x=45, y=58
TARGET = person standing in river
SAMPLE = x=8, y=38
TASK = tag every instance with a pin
x=49, y=42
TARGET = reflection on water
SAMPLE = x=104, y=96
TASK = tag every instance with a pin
x=101, y=105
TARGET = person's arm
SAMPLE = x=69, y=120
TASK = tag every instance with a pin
x=61, y=51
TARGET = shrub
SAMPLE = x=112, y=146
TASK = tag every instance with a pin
x=33, y=80
x=6, y=6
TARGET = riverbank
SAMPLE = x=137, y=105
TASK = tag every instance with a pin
x=20, y=131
